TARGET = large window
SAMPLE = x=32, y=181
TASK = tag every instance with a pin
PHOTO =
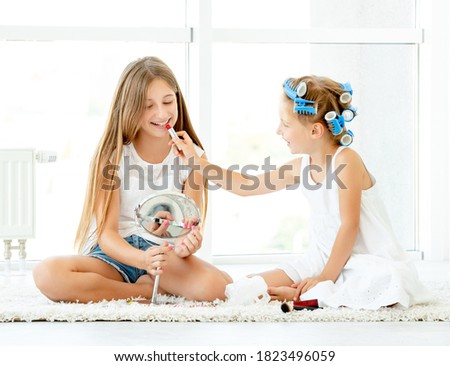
x=61, y=61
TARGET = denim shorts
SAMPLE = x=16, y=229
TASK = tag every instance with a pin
x=130, y=274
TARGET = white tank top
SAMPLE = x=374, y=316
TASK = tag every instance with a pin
x=140, y=179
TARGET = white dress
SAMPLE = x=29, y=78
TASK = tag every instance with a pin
x=377, y=274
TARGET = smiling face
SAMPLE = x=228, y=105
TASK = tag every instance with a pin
x=296, y=133
x=160, y=109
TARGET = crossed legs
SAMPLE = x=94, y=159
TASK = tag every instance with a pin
x=84, y=279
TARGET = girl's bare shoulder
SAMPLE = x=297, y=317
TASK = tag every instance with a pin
x=349, y=157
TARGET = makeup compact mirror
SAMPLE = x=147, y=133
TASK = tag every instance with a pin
x=167, y=217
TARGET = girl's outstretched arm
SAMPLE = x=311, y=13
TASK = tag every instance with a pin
x=352, y=178
x=234, y=181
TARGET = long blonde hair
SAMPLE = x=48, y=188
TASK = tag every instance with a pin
x=127, y=106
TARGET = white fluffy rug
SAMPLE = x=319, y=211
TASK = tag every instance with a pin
x=25, y=303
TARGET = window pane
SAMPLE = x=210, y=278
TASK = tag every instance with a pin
x=363, y=14
x=245, y=115
x=113, y=13
x=260, y=14
x=56, y=96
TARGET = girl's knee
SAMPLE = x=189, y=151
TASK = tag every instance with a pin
x=227, y=278
x=41, y=274
x=46, y=275
x=210, y=286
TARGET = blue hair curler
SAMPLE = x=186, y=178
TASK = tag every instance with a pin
x=346, y=97
x=301, y=106
x=335, y=122
x=347, y=139
x=349, y=113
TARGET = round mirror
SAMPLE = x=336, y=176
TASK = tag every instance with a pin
x=167, y=216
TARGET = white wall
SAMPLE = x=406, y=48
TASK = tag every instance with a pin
x=433, y=153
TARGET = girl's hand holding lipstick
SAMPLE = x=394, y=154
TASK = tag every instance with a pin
x=173, y=134
x=183, y=147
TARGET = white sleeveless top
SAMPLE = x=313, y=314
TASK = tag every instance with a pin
x=140, y=179
x=378, y=273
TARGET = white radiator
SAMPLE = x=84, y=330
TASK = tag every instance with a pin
x=17, y=196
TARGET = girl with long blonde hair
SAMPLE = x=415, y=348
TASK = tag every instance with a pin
x=114, y=261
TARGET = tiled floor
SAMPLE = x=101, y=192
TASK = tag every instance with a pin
x=221, y=334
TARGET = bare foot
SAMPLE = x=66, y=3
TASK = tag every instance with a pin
x=281, y=293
